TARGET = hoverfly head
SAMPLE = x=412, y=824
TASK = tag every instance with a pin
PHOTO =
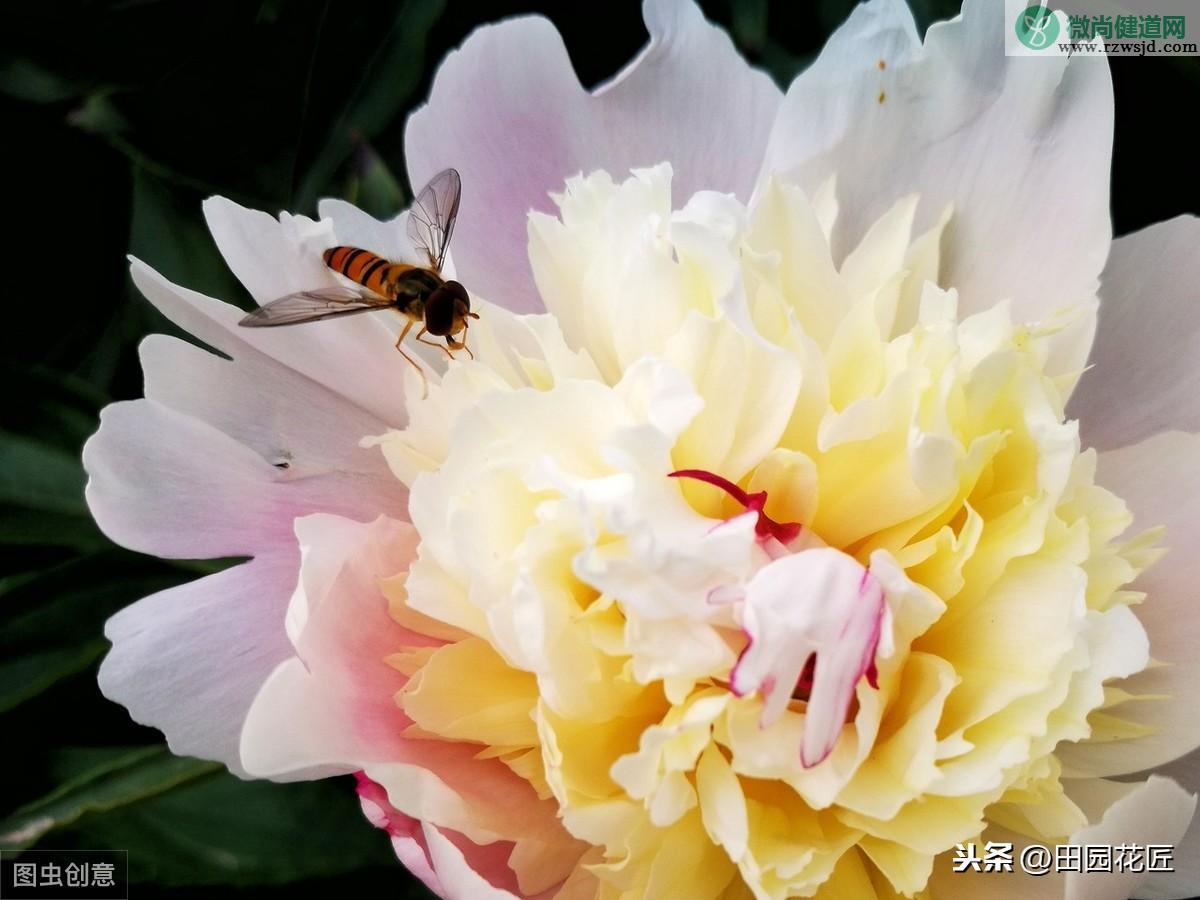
x=447, y=310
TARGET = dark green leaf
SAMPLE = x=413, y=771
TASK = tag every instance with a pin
x=220, y=830
x=206, y=566
x=19, y=527
x=38, y=476
x=121, y=779
x=26, y=80
x=98, y=115
x=169, y=233
x=750, y=24
x=64, y=413
x=385, y=88
x=373, y=187
x=781, y=64
x=53, y=619
x=32, y=672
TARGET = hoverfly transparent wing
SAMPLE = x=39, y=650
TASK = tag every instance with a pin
x=431, y=219
x=312, y=306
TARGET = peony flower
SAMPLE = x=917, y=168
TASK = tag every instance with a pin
x=774, y=543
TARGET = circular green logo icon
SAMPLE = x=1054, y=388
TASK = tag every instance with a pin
x=1037, y=27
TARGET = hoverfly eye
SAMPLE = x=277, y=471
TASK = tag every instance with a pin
x=461, y=293
x=439, y=312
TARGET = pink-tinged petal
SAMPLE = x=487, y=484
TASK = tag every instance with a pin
x=509, y=93
x=190, y=660
x=1155, y=812
x=662, y=106
x=357, y=365
x=1160, y=480
x=219, y=461
x=408, y=839
x=413, y=849
x=162, y=482
x=304, y=432
x=331, y=708
x=1143, y=371
x=458, y=879
x=446, y=785
x=1018, y=147
x=821, y=602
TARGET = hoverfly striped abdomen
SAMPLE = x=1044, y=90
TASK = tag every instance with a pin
x=362, y=266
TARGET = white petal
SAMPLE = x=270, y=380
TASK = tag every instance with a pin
x=1018, y=148
x=273, y=258
x=1146, y=359
x=357, y=363
x=303, y=429
x=355, y=228
x=1150, y=812
x=1155, y=812
x=1160, y=480
x=509, y=93
x=189, y=660
x=161, y=482
x=1185, y=880
x=270, y=256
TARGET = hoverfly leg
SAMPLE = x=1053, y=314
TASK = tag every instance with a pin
x=460, y=345
x=421, y=337
x=412, y=362
x=464, y=340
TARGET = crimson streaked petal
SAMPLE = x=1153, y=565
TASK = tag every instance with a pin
x=820, y=602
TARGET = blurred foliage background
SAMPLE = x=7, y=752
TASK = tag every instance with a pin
x=119, y=117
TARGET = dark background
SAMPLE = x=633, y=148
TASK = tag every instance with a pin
x=118, y=118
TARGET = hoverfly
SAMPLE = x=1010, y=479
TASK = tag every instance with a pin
x=419, y=293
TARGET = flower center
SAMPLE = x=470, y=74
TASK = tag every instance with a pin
x=785, y=533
